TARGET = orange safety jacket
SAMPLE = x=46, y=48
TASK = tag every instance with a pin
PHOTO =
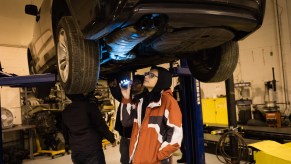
x=155, y=138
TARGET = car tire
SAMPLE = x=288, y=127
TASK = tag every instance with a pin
x=78, y=59
x=215, y=64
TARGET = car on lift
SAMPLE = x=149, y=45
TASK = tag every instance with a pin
x=82, y=40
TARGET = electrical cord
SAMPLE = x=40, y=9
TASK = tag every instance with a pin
x=225, y=141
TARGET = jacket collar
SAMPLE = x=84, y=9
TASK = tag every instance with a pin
x=159, y=103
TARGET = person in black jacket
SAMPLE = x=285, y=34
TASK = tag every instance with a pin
x=84, y=129
x=137, y=89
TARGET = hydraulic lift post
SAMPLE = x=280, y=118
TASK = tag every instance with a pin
x=231, y=114
x=192, y=115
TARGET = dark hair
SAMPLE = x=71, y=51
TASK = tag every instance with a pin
x=138, y=79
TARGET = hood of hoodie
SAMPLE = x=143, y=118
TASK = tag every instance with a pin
x=164, y=82
x=164, y=79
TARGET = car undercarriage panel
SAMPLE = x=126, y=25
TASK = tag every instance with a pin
x=191, y=40
x=169, y=47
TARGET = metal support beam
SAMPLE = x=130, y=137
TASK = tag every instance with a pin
x=231, y=110
x=29, y=81
x=192, y=116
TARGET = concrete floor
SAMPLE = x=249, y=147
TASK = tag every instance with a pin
x=112, y=156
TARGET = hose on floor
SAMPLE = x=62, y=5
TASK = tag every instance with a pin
x=224, y=155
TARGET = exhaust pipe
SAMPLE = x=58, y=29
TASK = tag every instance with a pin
x=121, y=42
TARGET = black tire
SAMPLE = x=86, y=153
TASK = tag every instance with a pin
x=78, y=59
x=215, y=64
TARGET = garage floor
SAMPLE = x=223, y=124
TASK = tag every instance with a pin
x=112, y=156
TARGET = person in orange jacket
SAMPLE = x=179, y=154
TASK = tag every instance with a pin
x=156, y=119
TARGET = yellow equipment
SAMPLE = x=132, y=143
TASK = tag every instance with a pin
x=271, y=152
x=39, y=151
x=109, y=112
x=214, y=111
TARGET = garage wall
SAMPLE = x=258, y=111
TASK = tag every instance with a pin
x=16, y=27
x=268, y=47
x=15, y=34
x=13, y=60
x=287, y=48
x=260, y=52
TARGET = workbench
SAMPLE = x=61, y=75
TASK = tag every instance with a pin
x=30, y=129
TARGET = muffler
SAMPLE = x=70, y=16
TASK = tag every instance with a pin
x=121, y=42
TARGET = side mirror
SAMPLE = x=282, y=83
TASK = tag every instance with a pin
x=31, y=10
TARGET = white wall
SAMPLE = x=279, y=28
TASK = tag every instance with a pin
x=17, y=25
x=260, y=52
x=13, y=60
x=16, y=32
x=286, y=21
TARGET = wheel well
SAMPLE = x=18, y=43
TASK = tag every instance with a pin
x=29, y=61
x=29, y=58
x=59, y=9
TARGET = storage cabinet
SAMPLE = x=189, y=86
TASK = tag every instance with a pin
x=214, y=111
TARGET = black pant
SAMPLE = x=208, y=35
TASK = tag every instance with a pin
x=183, y=148
x=124, y=150
x=88, y=158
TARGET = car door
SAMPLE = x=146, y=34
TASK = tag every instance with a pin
x=47, y=31
x=36, y=45
x=43, y=37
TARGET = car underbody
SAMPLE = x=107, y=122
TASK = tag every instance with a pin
x=92, y=39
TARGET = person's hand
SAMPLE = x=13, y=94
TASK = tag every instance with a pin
x=125, y=91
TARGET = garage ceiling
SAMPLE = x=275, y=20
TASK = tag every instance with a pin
x=16, y=27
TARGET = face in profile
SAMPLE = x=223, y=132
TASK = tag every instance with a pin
x=151, y=79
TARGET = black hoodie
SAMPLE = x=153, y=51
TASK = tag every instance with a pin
x=84, y=126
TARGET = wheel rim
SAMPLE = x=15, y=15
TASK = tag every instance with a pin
x=63, y=56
